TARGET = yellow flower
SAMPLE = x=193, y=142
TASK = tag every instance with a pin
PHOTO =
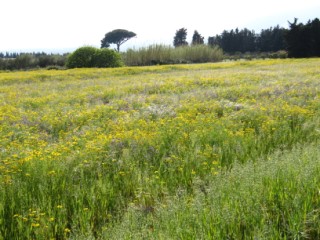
x=51, y=173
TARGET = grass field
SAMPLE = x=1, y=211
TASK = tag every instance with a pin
x=204, y=151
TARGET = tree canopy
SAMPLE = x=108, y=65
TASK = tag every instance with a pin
x=245, y=40
x=197, y=38
x=304, y=39
x=118, y=37
x=180, y=39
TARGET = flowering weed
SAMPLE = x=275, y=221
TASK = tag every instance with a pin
x=80, y=147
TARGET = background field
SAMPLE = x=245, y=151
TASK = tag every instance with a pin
x=221, y=150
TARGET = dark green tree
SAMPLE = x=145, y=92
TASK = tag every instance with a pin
x=298, y=40
x=228, y=41
x=271, y=39
x=214, y=41
x=304, y=39
x=118, y=37
x=197, y=38
x=235, y=41
x=247, y=40
x=315, y=37
x=180, y=39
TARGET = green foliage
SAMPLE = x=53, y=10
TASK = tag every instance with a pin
x=81, y=58
x=6, y=64
x=27, y=61
x=271, y=40
x=57, y=61
x=256, y=55
x=163, y=54
x=300, y=40
x=106, y=58
x=86, y=57
x=118, y=37
x=180, y=38
x=242, y=41
x=198, y=54
x=304, y=39
x=197, y=38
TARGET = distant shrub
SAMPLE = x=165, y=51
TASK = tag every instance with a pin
x=163, y=54
x=45, y=60
x=256, y=55
x=279, y=54
x=55, y=67
x=5, y=64
x=24, y=61
x=27, y=61
x=86, y=57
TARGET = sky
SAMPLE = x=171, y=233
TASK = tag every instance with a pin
x=64, y=25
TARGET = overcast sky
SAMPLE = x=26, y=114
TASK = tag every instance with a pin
x=64, y=25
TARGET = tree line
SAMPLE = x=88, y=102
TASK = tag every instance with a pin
x=9, y=55
x=300, y=40
x=13, y=61
x=244, y=40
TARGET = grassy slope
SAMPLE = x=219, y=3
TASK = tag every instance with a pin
x=275, y=198
x=79, y=148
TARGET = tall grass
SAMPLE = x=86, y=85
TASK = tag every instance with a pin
x=163, y=54
x=276, y=198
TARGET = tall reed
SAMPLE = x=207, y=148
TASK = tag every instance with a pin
x=165, y=54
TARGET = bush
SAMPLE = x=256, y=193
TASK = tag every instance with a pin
x=106, y=58
x=5, y=64
x=86, y=57
x=24, y=61
x=256, y=55
x=55, y=67
x=279, y=54
x=81, y=58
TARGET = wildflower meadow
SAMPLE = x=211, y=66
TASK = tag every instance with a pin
x=224, y=150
